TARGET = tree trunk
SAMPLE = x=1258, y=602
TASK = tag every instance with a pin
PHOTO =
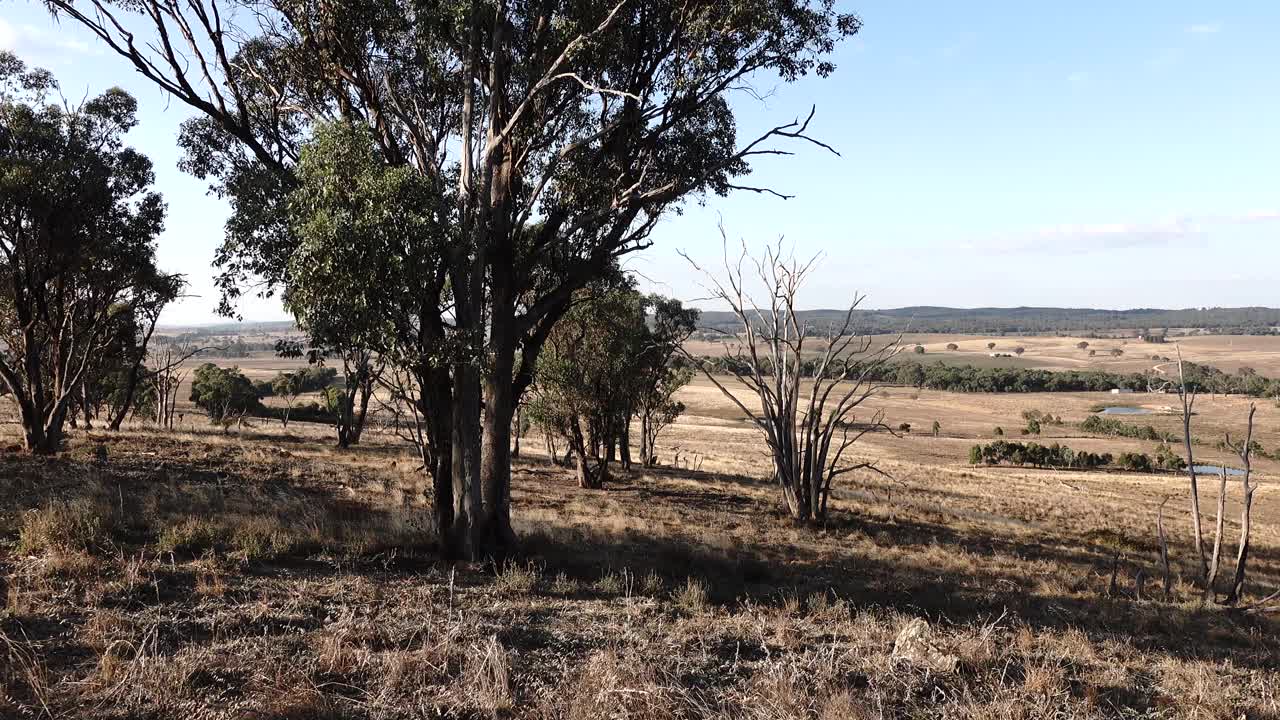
x=624, y=444
x=436, y=405
x=587, y=478
x=1246, y=513
x=85, y=407
x=518, y=431
x=1212, y=577
x=495, y=472
x=1242, y=554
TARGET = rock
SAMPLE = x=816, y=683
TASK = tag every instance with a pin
x=915, y=645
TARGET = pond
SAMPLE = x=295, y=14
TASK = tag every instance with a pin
x=1125, y=410
x=1216, y=470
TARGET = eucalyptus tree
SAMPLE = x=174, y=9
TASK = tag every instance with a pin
x=78, y=221
x=589, y=373
x=557, y=133
x=658, y=378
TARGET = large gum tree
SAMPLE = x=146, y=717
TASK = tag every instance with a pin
x=78, y=220
x=557, y=132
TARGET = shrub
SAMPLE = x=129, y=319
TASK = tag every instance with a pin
x=513, y=578
x=64, y=526
x=1136, y=462
x=693, y=596
x=919, y=350
x=1167, y=459
x=952, y=346
x=192, y=535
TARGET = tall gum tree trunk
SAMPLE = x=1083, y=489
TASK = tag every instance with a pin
x=499, y=411
x=436, y=404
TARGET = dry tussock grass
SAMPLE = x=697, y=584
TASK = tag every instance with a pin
x=201, y=576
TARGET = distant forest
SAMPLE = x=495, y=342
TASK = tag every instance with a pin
x=1077, y=321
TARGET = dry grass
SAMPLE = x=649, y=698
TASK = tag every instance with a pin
x=266, y=575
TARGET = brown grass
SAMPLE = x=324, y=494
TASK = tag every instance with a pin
x=267, y=575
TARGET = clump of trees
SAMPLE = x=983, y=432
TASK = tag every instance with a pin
x=1036, y=455
x=1100, y=425
x=225, y=394
x=609, y=360
x=81, y=291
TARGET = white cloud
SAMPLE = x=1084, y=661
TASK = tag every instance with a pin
x=8, y=36
x=1205, y=28
x=31, y=39
x=1070, y=239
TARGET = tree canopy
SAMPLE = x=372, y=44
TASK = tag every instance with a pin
x=78, y=222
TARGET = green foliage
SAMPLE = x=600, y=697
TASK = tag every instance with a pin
x=1100, y=425
x=223, y=393
x=77, y=248
x=586, y=372
x=1036, y=455
x=919, y=350
x=1167, y=459
x=1135, y=462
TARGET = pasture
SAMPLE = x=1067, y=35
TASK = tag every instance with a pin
x=262, y=573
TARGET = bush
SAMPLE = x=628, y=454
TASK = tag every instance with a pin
x=1167, y=459
x=64, y=526
x=1136, y=462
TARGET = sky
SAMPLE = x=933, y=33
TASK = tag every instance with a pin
x=1092, y=154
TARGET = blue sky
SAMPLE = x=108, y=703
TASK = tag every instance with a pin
x=1001, y=153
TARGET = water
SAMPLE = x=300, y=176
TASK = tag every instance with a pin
x=1216, y=470
x=1125, y=410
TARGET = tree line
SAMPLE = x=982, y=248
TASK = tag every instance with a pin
x=969, y=378
x=1038, y=320
x=1063, y=457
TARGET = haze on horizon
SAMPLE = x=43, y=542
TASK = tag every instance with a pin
x=1088, y=157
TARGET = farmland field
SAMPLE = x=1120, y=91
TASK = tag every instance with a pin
x=262, y=573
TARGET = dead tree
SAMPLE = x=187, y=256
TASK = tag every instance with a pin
x=1245, y=452
x=167, y=376
x=1164, y=549
x=1216, y=559
x=777, y=351
x=1187, y=398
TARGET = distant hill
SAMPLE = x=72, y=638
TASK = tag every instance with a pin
x=230, y=328
x=931, y=319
